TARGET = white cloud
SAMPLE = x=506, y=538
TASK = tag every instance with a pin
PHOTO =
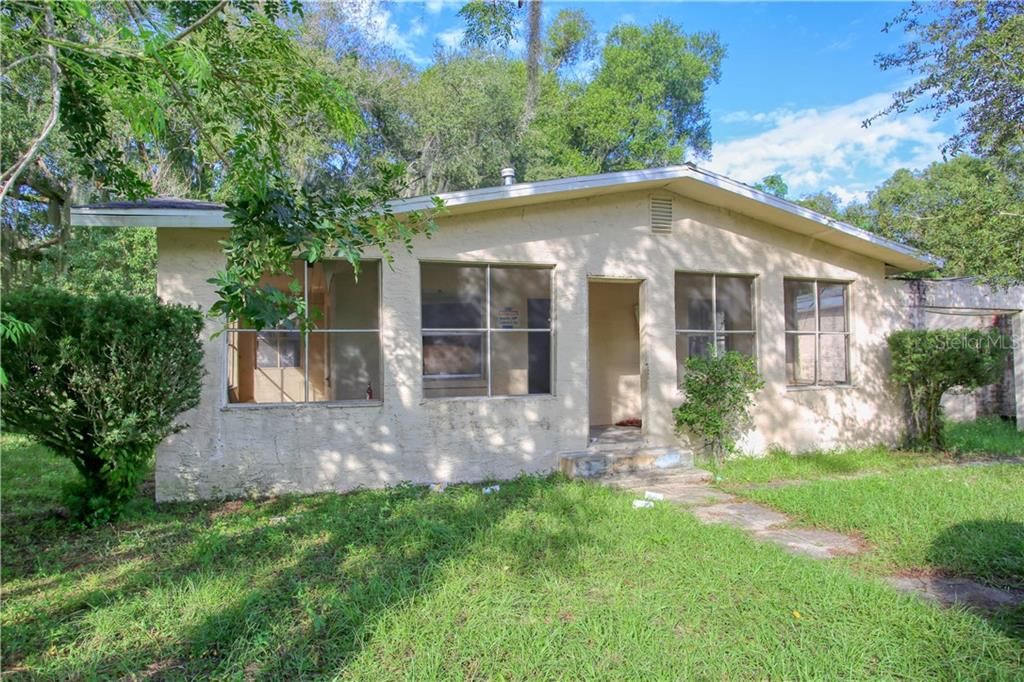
x=416, y=27
x=847, y=194
x=435, y=6
x=376, y=24
x=761, y=117
x=813, y=149
x=450, y=38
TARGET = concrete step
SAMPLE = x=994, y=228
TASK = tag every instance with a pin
x=592, y=463
x=660, y=480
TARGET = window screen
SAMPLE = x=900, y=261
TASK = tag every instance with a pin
x=339, y=359
x=486, y=330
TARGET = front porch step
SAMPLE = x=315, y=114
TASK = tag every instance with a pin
x=592, y=463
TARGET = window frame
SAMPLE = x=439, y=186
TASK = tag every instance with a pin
x=818, y=333
x=304, y=337
x=714, y=333
x=486, y=332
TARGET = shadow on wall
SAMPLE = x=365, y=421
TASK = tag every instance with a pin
x=989, y=550
x=409, y=438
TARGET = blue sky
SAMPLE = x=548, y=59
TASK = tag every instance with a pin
x=797, y=81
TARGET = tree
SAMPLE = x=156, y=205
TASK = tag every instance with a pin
x=967, y=210
x=570, y=39
x=120, y=72
x=773, y=184
x=968, y=57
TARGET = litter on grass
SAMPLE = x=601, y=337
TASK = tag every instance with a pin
x=491, y=489
x=651, y=495
x=642, y=504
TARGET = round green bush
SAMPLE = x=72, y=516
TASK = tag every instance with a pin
x=100, y=381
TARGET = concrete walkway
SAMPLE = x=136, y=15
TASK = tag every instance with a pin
x=690, y=488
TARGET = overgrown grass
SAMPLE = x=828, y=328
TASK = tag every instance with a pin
x=966, y=521
x=985, y=438
x=783, y=466
x=988, y=436
x=545, y=579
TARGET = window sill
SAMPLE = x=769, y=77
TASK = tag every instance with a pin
x=817, y=387
x=471, y=398
x=231, y=407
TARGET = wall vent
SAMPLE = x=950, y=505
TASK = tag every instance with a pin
x=661, y=214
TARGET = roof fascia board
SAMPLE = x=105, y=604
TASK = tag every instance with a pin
x=212, y=218
x=149, y=217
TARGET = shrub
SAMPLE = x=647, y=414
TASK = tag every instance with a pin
x=719, y=392
x=100, y=381
x=928, y=363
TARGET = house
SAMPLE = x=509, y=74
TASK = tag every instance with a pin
x=538, y=313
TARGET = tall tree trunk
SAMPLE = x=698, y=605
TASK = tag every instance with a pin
x=533, y=49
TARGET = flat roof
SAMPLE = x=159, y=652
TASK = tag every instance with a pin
x=686, y=180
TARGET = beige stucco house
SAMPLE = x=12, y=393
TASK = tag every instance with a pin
x=537, y=313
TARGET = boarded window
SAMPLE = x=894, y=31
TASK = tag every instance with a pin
x=817, y=332
x=486, y=330
x=337, y=360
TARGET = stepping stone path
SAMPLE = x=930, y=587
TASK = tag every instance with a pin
x=690, y=487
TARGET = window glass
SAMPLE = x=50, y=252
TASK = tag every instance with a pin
x=817, y=333
x=264, y=367
x=799, y=304
x=338, y=300
x=832, y=363
x=693, y=301
x=343, y=350
x=800, y=353
x=453, y=355
x=714, y=314
x=832, y=307
x=469, y=353
x=514, y=290
x=734, y=307
x=453, y=296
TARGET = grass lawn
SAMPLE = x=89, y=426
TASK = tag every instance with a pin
x=985, y=438
x=989, y=436
x=966, y=521
x=545, y=579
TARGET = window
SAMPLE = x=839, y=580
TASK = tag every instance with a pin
x=486, y=330
x=713, y=313
x=337, y=360
x=817, y=333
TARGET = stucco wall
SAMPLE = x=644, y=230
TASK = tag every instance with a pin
x=263, y=449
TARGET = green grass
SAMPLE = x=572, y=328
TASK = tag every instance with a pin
x=783, y=466
x=546, y=579
x=989, y=436
x=966, y=521
x=985, y=438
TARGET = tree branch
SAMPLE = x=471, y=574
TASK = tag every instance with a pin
x=18, y=62
x=186, y=102
x=10, y=176
x=199, y=22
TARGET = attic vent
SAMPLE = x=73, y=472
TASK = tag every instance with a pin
x=661, y=214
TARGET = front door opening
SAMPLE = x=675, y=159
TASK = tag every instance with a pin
x=614, y=354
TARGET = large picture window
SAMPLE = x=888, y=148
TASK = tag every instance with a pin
x=714, y=313
x=817, y=332
x=486, y=330
x=338, y=360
